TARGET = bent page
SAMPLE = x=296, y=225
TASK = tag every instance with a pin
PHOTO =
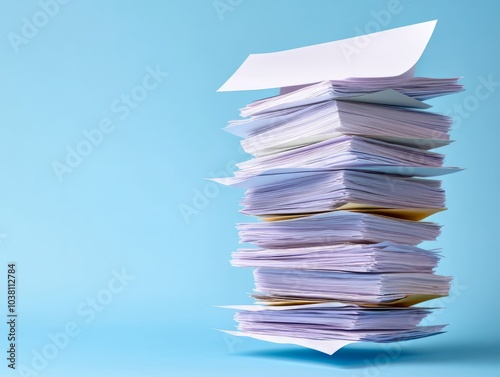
x=326, y=346
x=383, y=54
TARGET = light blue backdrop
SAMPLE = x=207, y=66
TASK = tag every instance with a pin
x=140, y=79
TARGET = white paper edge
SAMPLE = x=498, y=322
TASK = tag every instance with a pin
x=388, y=97
x=397, y=170
x=258, y=308
x=326, y=346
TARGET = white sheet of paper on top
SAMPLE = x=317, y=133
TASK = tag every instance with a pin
x=386, y=53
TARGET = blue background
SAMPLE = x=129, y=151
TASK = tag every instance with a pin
x=121, y=207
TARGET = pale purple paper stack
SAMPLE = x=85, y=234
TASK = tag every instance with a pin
x=339, y=180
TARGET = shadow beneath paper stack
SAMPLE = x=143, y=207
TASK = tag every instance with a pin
x=379, y=355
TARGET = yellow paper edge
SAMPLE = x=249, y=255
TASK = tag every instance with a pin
x=406, y=301
x=414, y=214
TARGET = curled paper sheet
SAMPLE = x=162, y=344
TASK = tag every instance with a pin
x=383, y=54
x=326, y=346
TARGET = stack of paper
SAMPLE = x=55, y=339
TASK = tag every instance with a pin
x=339, y=181
x=325, y=321
x=343, y=189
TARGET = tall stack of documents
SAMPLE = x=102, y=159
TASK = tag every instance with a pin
x=342, y=179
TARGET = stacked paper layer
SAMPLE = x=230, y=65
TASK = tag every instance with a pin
x=339, y=181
